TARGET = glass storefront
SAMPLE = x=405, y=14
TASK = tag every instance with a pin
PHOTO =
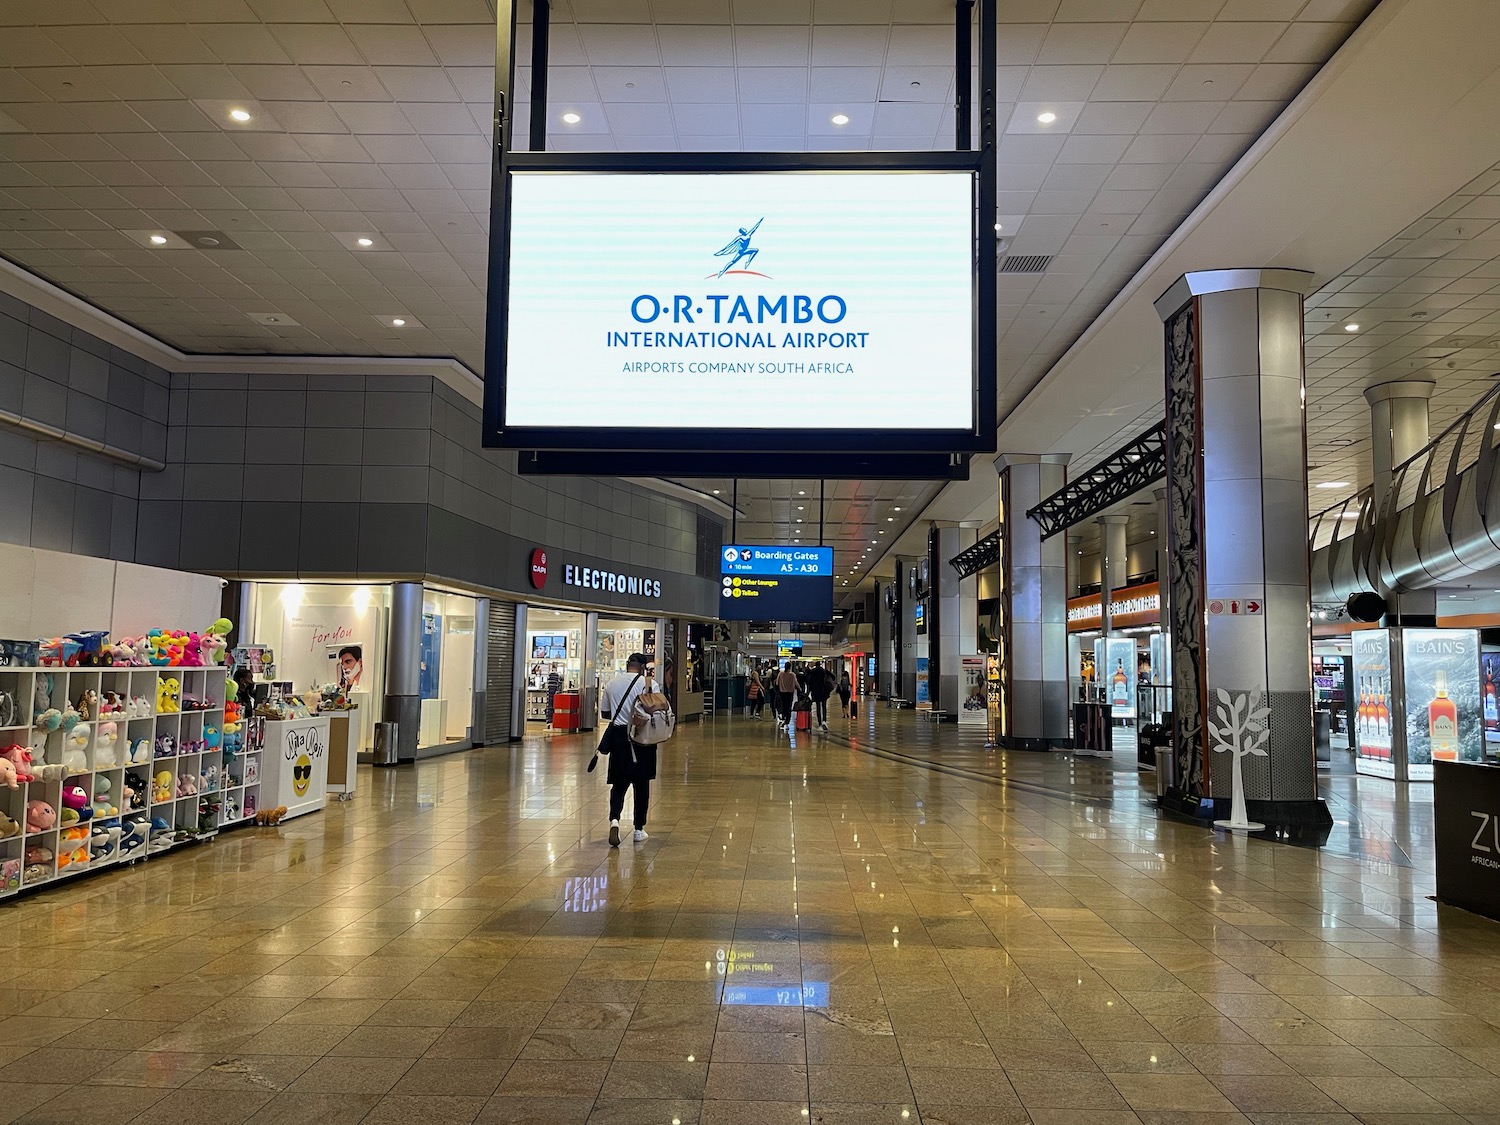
x=447, y=668
x=554, y=662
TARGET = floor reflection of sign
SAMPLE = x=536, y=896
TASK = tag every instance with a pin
x=805, y=995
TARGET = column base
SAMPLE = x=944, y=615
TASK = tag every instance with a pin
x=1044, y=745
x=406, y=712
x=1291, y=822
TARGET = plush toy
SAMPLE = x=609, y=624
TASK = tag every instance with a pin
x=231, y=811
x=40, y=770
x=212, y=738
x=20, y=757
x=8, y=776
x=140, y=752
x=161, y=834
x=166, y=745
x=135, y=790
x=104, y=840
x=35, y=853
x=112, y=703
x=162, y=791
x=139, y=707
x=102, y=804
x=48, y=721
x=40, y=816
x=270, y=816
x=88, y=705
x=10, y=874
x=133, y=837
x=75, y=757
x=8, y=827
x=106, y=757
x=67, y=859
x=168, y=692
x=187, y=785
x=74, y=796
x=249, y=806
x=74, y=835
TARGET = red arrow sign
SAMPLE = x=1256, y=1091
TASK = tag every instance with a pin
x=1252, y=607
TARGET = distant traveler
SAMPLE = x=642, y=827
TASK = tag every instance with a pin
x=846, y=691
x=755, y=694
x=786, y=692
x=630, y=764
x=819, y=688
x=554, y=685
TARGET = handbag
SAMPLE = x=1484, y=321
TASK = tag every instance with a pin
x=613, y=730
x=653, y=721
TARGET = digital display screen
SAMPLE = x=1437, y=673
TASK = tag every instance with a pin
x=788, y=648
x=776, y=584
x=705, y=301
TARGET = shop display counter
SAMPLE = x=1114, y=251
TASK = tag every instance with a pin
x=343, y=752
x=293, y=764
x=1466, y=821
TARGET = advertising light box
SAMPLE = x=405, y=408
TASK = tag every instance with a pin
x=1374, y=719
x=1444, y=719
x=675, y=303
x=776, y=584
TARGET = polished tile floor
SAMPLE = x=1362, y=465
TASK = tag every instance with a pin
x=889, y=925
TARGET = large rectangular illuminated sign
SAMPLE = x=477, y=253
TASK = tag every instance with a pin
x=776, y=584
x=763, y=303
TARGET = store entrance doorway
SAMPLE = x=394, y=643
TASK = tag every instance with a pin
x=554, y=671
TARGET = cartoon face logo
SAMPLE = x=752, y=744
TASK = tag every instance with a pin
x=301, y=775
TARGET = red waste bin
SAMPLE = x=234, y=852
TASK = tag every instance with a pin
x=565, y=711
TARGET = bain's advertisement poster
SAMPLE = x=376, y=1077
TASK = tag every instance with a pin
x=715, y=300
x=1372, y=679
x=1444, y=721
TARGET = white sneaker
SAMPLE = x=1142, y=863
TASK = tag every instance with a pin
x=641, y=834
x=822, y=726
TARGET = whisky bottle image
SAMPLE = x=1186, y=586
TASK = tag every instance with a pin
x=1362, y=724
x=1120, y=686
x=1442, y=723
x=1491, y=702
x=1382, y=712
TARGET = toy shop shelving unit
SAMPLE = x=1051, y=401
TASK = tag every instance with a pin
x=194, y=776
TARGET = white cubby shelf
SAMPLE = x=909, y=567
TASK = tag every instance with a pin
x=216, y=772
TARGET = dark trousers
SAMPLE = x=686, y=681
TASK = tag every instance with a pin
x=820, y=708
x=642, y=800
x=786, y=699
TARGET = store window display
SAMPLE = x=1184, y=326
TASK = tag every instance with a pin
x=554, y=671
x=447, y=667
x=325, y=634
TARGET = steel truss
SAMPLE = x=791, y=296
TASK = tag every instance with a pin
x=971, y=560
x=1136, y=465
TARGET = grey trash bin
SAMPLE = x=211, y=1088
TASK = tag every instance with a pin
x=385, y=744
x=1163, y=769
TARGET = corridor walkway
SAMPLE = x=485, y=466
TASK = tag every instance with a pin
x=816, y=931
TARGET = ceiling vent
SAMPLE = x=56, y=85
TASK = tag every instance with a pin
x=207, y=239
x=1025, y=263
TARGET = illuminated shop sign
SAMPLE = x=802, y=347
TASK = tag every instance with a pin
x=1134, y=605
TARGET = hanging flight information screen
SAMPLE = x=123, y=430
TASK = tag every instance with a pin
x=776, y=584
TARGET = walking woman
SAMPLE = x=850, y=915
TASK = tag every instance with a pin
x=845, y=690
x=756, y=694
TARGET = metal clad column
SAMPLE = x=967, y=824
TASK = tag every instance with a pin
x=1111, y=566
x=906, y=636
x=588, y=694
x=403, y=675
x=481, y=670
x=1237, y=485
x=957, y=614
x=1398, y=431
x=1034, y=588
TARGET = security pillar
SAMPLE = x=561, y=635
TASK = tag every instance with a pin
x=403, y=675
x=1237, y=488
x=1034, y=608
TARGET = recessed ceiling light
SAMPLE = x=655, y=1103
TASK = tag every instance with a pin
x=397, y=322
x=158, y=240
x=572, y=118
x=1351, y=327
x=239, y=115
x=1334, y=484
x=1046, y=118
x=801, y=492
x=799, y=520
x=716, y=492
x=840, y=119
x=890, y=519
x=365, y=241
x=895, y=509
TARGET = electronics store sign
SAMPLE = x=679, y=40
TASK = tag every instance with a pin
x=610, y=581
x=666, y=296
x=776, y=584
x=1466, y=814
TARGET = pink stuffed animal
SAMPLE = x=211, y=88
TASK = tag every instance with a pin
x=8, y=774
x=40, y=816
x=20, y=758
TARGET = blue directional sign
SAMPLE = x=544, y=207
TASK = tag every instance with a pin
x=776, y=584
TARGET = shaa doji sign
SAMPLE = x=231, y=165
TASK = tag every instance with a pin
x=538, y=568
x=1133, y=605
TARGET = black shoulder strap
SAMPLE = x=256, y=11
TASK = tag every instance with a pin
x=615, y=718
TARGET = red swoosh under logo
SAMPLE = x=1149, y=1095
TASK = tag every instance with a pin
x=742, y=273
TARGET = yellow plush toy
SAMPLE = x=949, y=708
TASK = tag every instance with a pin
x=163, y=789
x=168, y=695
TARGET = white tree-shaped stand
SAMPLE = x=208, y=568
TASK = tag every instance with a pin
x=1242, y=731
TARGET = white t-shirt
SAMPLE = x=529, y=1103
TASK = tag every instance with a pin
x=618, y=697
